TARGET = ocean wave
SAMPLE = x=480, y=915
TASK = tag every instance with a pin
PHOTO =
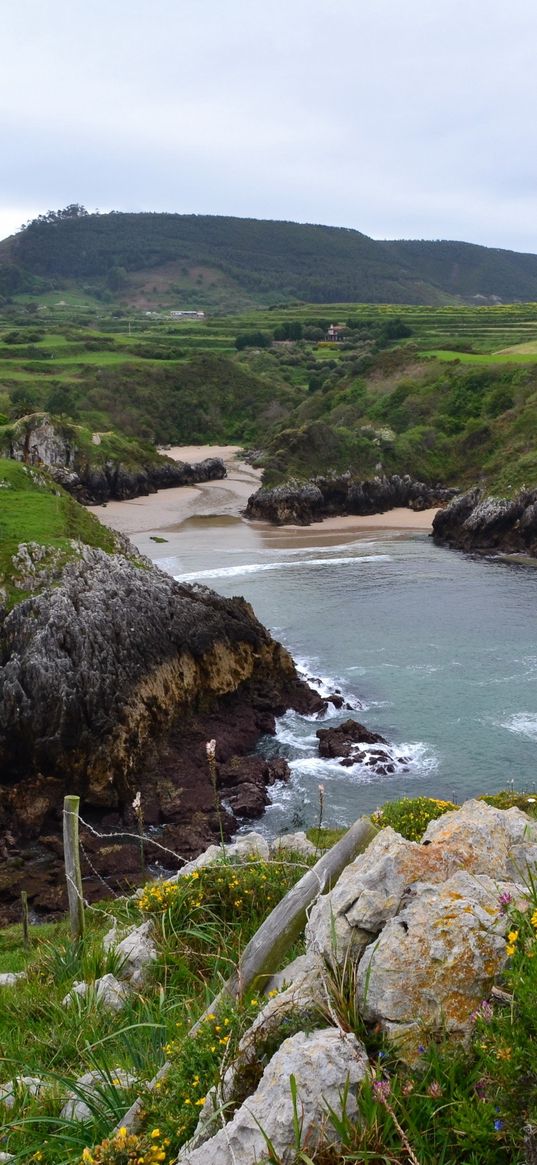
x=264, y=567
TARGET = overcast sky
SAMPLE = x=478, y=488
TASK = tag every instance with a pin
x=414, y=119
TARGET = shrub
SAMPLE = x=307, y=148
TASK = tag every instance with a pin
x=410, y=817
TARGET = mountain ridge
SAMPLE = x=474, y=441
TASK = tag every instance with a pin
x=263, y=260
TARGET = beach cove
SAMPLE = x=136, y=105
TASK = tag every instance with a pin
x=435, y=650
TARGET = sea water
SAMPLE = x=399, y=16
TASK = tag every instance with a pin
x=434, y=649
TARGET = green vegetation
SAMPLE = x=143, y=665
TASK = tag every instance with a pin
x=453, y=401
x=34, y=509
x=202, y=924
x=453, y=1104
x=218, y=260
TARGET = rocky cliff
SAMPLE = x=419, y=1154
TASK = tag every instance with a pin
x=477, y=522
x=96, y=468
x=301, y=503
x=111, y=681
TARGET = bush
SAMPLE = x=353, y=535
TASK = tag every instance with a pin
x=411, y=817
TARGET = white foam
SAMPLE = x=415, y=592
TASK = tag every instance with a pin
x=522, y=724
x=263, y=567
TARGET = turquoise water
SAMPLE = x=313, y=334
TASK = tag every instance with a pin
x=436, y=650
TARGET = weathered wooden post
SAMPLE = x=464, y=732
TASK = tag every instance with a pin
x=73, y=875
x=24, y=911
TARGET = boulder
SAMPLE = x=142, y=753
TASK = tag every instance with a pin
x=476, y=521
x=300, y=503
x=21, y=1086
x=91, y=1093
x=107, y=992
x=247, y=846
x=243, y=782
x=294, y=843
x=11, y=978
x=324, y=1063
x=436, y=960
x=423, y=923
x=136, y=950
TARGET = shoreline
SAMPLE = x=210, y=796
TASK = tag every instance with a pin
x=168, y=510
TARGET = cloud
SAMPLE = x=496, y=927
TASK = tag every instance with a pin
x=399, y=120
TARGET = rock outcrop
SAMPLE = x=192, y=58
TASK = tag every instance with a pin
x=327, y=1065
x=415, y=934
x=111, y=682
x=477, y=522
x=57, y=446
x=428, y=916
x=300, y=503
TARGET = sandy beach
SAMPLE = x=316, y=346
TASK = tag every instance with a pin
x=165, y=512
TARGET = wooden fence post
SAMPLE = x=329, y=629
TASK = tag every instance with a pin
x=72, y=865
x=24, y=912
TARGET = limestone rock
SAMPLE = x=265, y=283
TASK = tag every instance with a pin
x=323, y=1063
x=288, y=975
x=477, y=522
x=20, y=1086
x=371, y=890
x=95, y=1086
x=436, y=960
x=367, y=893
x=246, y=846
x=300, y=503
x=58, y=445
x=94, y=670
x=295, y=843
x=486, y=840
x=136, y=950
x=108, y=993
x=11, y=978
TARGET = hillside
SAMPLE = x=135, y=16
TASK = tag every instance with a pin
x=448, y=422
x=217, y=261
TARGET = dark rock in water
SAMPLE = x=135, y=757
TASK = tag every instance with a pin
x=112, y=682
x=340, y=741
x=302, y=503
x=243, y=783
x=477, y=522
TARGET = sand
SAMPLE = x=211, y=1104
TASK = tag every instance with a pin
x=168, y=509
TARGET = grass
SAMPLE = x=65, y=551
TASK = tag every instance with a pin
x=455, y=1105
x=34, y=509
x=201, y=926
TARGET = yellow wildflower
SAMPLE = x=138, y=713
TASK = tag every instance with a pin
x=155, y=1133
x=512, y=936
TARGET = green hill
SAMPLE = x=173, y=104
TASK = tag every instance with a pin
x=215, y=261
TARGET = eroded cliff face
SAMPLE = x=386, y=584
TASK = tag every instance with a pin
x=57, y=446
x=477, y=522
x=113, y=680
x=301, y=503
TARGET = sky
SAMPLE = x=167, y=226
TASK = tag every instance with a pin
x=412, y=119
